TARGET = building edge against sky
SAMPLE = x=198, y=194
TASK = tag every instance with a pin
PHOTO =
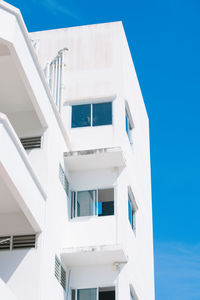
x=76, y=214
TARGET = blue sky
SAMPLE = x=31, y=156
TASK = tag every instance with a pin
x=163, y=36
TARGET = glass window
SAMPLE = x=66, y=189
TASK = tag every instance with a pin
x=96, y=114
x=106, y=202
x=87, y=294
x=85, y=203
x=102, y=114
x=93, y=294
x=81, y=115
x=128, y=126
x=131, y=296
x=131, y=213
x=92, y=203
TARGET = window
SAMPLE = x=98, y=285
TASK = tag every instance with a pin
x=129, y=123
x=92, y=203
x=131, y=211
x=131, y=296
x=63, y=180
x=60, y=273
x=95, y=114
x=107, y=293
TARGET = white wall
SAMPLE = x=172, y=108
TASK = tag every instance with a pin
x=5, y=292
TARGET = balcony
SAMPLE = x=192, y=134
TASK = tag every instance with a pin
x=22, y=202
x=102, y=158
x=93, y=255
x=21, y=91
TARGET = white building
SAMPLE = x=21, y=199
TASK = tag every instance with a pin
x=75, y=208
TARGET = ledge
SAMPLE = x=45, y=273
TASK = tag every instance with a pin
x=97, y=255
x=95, y=159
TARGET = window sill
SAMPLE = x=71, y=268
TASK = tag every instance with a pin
x=89, y=218
x=82, y=127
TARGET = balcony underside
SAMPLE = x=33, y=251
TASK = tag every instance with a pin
x=94, y=159
x=21, y=94
x=83, y=256
x=22, y=198
x=15, y=99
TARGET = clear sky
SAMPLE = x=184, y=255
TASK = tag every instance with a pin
x=164, y=38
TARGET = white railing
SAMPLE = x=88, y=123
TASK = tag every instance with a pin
x=54, y=74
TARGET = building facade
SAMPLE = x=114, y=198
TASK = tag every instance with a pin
x=75, y=211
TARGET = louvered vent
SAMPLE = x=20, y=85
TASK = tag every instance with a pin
x=60, y=273
x=31, y=142
x=57, y=268
x=63, y=278
x=5, y=242
x=23, y=241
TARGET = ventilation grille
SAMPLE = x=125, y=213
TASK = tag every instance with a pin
x=60, y=273
x=63, y=180
x=31, y=142
x=17, y=242
x=5, y=242
x=23, y=241
x=57, y=268
x=63, y=278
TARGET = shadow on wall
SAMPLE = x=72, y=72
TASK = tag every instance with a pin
x=10, y=261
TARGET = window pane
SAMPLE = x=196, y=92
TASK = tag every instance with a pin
x=107, y=295
x=73, y=198
x=87, y=294
x=81, y=115
x=85, y=203
x=130, y=214
x=102, y=114
x=127, y=125
x=106, y=202
x=73, y=293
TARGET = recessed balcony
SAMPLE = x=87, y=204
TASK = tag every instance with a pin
x=102, y=158
x=22, y=202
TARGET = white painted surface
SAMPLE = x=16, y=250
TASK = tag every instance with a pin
x=5, y=292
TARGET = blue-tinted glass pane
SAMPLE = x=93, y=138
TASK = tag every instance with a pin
x=127, y=125
x=99, y=208
x=102, y=114
x=81, y=115
x=130, y=212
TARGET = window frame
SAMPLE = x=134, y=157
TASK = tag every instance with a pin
x=95, y=202
x=91, y=113
x=132, y=204
x=129, y=124
x=88, y=288
x=133, y=293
